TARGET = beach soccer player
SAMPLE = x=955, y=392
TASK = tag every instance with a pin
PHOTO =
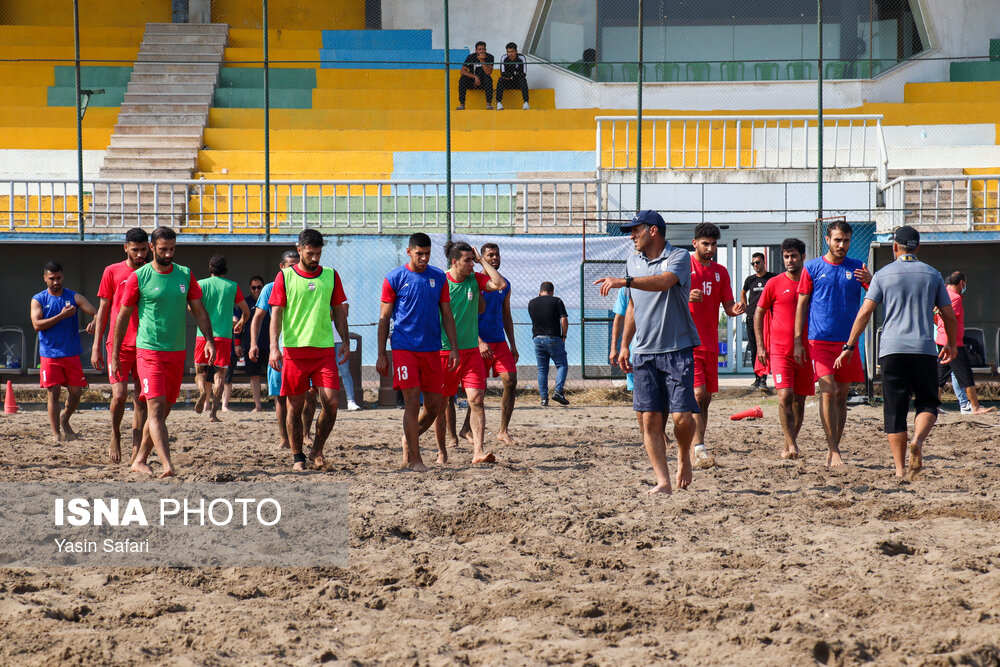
x=910, y=292
x=774, y=329
x=260, y=338
x=710, y=289
x=54, y=316
x=416, y=299
x=465, y=285
x=162, y=292
x=302, y=343
x=219, y=296
x=110, y=295
x=830, y=292
x=959, y=369
x=497, y=346
x=658, y=277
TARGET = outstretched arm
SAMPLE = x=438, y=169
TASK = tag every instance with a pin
x=661, y=282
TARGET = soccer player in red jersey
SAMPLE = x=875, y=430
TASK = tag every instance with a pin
x=774, y=326
x=110, y=294
x=710, y=288
x=162, y=291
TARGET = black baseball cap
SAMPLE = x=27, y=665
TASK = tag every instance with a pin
x=651, y=218
x=907, y=236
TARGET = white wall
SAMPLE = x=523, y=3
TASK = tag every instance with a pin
x=37, y=165
x=495, y=23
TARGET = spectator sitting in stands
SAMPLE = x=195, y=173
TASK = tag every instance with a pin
x=585, y=65
x=512, y=69
x=477, y=71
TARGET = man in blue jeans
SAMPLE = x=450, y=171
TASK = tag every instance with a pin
x=549, y=323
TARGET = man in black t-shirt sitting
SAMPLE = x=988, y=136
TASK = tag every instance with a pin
x=512, y=69
x=753, y=286
x=549, y=324
x=477, y=71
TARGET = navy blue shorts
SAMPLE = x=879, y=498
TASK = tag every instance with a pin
x=664, y=382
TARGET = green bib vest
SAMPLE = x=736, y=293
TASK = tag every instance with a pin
x=162, y=307
x=218, y=296
x=465, y=310
x=306, y=319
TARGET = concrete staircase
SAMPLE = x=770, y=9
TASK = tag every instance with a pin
x=933, y=205
x=555, y=207
x=160, y=125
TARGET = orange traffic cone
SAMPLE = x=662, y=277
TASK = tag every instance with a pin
x=9, y=402
x=752, y=413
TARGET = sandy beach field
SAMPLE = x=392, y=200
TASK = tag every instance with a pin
x=554, y=554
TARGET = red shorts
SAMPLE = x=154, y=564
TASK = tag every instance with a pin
x=223, y=352
x=61, y=371
x=824, y=353
x=160, y=373
x=790, y=375
x=471, y=371
x=503, y=359
x=129, y=365
x=296, y=374
x=417, y=369
x=706, y=370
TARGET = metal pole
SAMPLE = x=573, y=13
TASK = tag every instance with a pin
x=819, y=111
x=267, y=135
x=79, y=121
x=447, y=119
x=638, y=129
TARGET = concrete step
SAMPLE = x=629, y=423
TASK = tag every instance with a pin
x=167, y=68
x=180, y=58
x=159, y=152
x=171, y=88
x=173, y=130
x=156, y=164
x=168, y=98
x=164, y=108
x=187, y=29
x=200, y=78
x=158, y=119
x=198, y=47
x=127, y=174
x=155, y=141
x=214, y=40
x=125, y=194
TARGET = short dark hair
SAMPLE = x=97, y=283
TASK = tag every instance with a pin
x=489, y=246
x=480, y=43
x=453, y=250
x=419, y=240
x=217, y=265
x=757, y=254
x=954, y=278
x=289, y=254
x=310, y=238
x=547, y=287
x=511, y=45
x=52, y=266
x=794, y=244
x=253, y=278
x=707, y=230
x=165, y=233
x=136, y=235
x=838, y=225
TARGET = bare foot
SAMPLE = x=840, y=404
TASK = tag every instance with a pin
x=833, y=459
x=298, y=465
x=504, y=436
x=115, y=451
x=660, y=488
x=225, y=408
x=685, y=474
x=55, y=438
x=417, y=466
x=442, y=456
x=215, y=418
x=489, y=458
x=283, y=445
x=982, y=411
x=916, y=462
x=256, y=409
x=790, y=453
x=167, y=472
x=307, y=440
x=199, y=405
x=466, y=434
x=317, y=459
x=69, y=434
x=141, y=466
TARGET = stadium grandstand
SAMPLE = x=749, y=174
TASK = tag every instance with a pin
x=342, y=117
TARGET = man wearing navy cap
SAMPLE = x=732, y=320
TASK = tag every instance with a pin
x=909, y=291
x=658, y=280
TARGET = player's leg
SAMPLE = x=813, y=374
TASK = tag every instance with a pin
x=786, y=417
x=52, y=405
x=324, y=425
x=255, y=392
x=476, y=396
x=218, y=386
x=308, y=413
x=72, y=402
x=201, y=381
x=227, y=387
x=656, y=449
x=296, y=404
x=119, y=395
x=649, y=399
x=281, y=414
x=139, y=417
x=507, y=406
x=830, y=417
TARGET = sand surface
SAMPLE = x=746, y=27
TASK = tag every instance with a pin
x=554, y=555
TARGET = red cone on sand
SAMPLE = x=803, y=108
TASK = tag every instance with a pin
x=9, y=402
x=752, y=413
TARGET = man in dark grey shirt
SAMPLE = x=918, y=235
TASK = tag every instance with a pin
x=659, y=283
x=909, y=291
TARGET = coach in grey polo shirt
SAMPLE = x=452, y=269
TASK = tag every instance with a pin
x=658, y=277
x=909, y=291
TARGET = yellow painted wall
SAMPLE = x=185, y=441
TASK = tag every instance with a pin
x=292, y=14
x=92, y=12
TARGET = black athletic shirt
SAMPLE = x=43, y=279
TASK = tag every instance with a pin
x=753, y=286
x=476, y=67
x=545, y=312
x=513, y=68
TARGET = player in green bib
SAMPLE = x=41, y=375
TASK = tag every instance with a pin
x=162, y=292
x=219, y=295
x=464, y=285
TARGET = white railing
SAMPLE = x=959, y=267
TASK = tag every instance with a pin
x=364, y=206
x=743, y=142
x=959, y=203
